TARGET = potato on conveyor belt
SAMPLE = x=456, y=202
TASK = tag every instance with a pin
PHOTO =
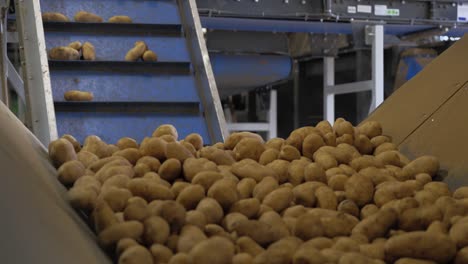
x=64, y=53
x=120, y=19
x=83, y=16
x=54, y=17
x=78, y=96
x=326, y=194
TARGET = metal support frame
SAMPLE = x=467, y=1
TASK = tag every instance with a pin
x=374, y=37
x=40, y=114
x=271, y=127
x=203, y=72
x=4, y=92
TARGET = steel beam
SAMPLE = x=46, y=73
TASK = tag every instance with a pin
x=40, y=114
x=209, y=95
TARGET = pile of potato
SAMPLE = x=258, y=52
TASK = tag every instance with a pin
x=326, y=194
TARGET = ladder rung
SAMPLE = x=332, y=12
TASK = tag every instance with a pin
x=121, y=66
x=129, y=107
x=115, y=29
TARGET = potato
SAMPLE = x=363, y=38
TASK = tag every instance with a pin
x=281, y=251
x=389, y=191
x=124, y=244
x=116, y=197
x=87, y=17
x=174, y=214
x=332, y=255
x=215, y=250
x=461, y=193
x=245, y=188
x=64, y=53
x=103, y=216
x=438, y=188
x=160, y=253
x=165, y=129
x=193, y=166
x=304, y=194
x=120, y=19
x=311, y=144
x=424, y=164
x=326, y=198
x=89, y=52
x=106, y=172
x=281, y=168
x=112, y=234
x=242, y=258
x=171, y=243
x=216, y=230
x=136, y=52
x=135, y=255
x=70, y=171
x=420, y=245
x=365, y=162
x=88, y=182
x=274, y=143
x=289, y=153
x=189, y=237
x=156, y=230
x=218, y=156
x=235, y=138
x=314, y=172
x=248, y=168
x=363, y=144
x=211, y=209
x=419, y=218
x=322, y=222
x=154, y=147
x=136, y=209
x=330, y=139
x=390, y=158
x=248, y=207
x=264, y=187
x=261, y=232
x=225, y=192
x=379, y=140
x=195, y=218
x=345, y=139
x=54, y=17
x=190, y=197
x=376, y=250
x=268, y=156
x=61, y=151
x=247, y=245
x=345, y=244
x=459, y=233
x=95, y=145
x=370, y=128
x=170, y=169
x=376, y=225
x=149, y=190
x=462, y=256
x=337, y=182
x=231, y=220
x=177, y=151
x=249, y=148
x=119, y=181
x=349, y=207
x=130, y=154
x=387, y=146
x=359, y=189
x=324, y=127
x=325, y=160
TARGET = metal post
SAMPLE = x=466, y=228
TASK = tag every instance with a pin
x=296, y=80
x=40, y=113
x=328, y=97
x=377, y=66
x=4, y=94
x=272, y=114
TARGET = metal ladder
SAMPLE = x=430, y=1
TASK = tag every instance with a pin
x=130, y=98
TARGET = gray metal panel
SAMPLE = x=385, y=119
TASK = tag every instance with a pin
x=247, y=42
x=208, y=91
x=37, y=223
